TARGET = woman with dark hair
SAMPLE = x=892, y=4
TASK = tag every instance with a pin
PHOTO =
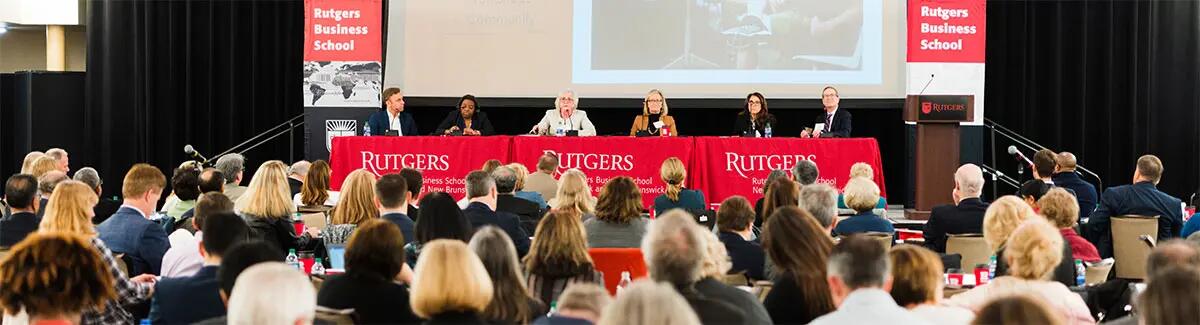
x=466, y=120
x=758, y=205
x=559, y=257
x=374, y=258
x=618, y=221
x=799, y=248
x=315, y=193
x=754, y=118
x=782, y=192
x=511, y=302
x=440, y=218
x=185, y=184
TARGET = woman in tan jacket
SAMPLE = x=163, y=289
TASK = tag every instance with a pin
x=654, y=109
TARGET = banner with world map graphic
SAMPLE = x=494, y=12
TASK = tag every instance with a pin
x=342, y=53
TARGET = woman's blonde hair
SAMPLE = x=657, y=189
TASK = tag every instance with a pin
x=1060, y=207
x=717, y=262
x=1002, y=217
x=673, y=173
x=916, y=275
x=646, y=104
x=43, y=165
x=861, y=194
x=1034, y=250
x=315, y=190
x=521, y=172
x=267, y=196
x=559, y=246
x=27, y=164
x=649, y=302
x=863, y=170
x=574, y=192
x=449, y=277
x=70, y=209
x=357, y=200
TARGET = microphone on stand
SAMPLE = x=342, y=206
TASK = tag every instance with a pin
x=191, y=152
x=1022, y=161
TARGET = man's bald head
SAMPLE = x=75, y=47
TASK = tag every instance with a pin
x=1176, y=252
x=969, y=181
x=1065, y=161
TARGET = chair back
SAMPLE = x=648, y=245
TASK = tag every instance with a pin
x=1129, y=251
x=335, y=316
x=884, y=239
x=314, y=220
x=314, y=209
x=1097, y=273
x=761, y=289
x=973, y=249
x=736, y=279
x=613, y=261
x=122, y=264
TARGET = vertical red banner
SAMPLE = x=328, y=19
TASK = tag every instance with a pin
x=343, y=30
x=947, y=30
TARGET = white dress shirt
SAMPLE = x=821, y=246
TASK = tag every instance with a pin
x=869, y=306
x=394, y=123
x=183, y=258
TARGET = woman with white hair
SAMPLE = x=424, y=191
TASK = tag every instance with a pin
x=272, y=293
x=648, y=302
x=565, y=117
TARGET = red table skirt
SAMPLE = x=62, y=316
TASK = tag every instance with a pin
x=718, y=166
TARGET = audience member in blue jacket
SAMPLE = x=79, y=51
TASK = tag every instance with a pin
x=130, y=230
x=1140, y=198
x=861, y=195
x=1065, y=176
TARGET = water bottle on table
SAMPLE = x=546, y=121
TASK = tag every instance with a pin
x=292, y=259
x=318, y=268
x=1080, y=273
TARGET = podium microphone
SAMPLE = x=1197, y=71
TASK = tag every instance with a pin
x=188, y=149
x=926, y=85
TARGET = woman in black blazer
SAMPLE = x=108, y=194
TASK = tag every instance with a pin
x=466, y=120
x=754, y=116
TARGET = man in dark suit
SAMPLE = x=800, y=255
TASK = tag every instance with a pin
x=46, y=184
x=414, y=180
x=529, y=212
x=394, y=118
x=481, y=191
x=191, y=299
x=130, y=231
x=836, y=122
x=392, y=192
x=1066, y=177
x=296, y=175
x=966, y=217
x=105, y=206
x=1140, y=198
x=21, y=190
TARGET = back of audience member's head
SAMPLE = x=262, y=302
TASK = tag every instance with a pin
x=620, y=201
x=231, y=165
x=186, y=184
x=21, y=191
x=54, y=275
x=208, y=204
x=784, y=192
x=547, y=163
x=673, y=249
x=49, y=180
x=800, y=248
x=1172, y=297
x=70, y=209
x=299, y=168
x=449, y=278
x=774, y=175
x=441, y=219
x=862, y=169
x=30, y=158
x=392, y=190
x=222, y=231
x=717, y=262
x=805, y=172
x=1032, y=190
x=142, y=180
x=356, y=202
x=1034, y=250
x=858, y=262
x=673, y=175
x=268, y=195
x=1002, y=217
x=917, y=275
x=861, y=194
x=1044, y=162
x=1065, y=162
x=735, y=214
x=212, y=180
x=415, y=181
x=490, y=165
x=648, y=302
x=375, y=250
x=521, y=173
x=1060, y=208
x=1174, y=252
x=89, y=176
x=583, y=300
x=821, y=202
x=509, y=294
x=43, y=165
x=1020, y=309
x=505, y=178
x=315, y=190
x=968, y=181
x=573, y=192
x=559, y=244
x=272, y=293
x=1150, y=168
x=479, y=184
x=241, y=256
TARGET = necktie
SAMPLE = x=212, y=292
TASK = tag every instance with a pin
x=828, y=122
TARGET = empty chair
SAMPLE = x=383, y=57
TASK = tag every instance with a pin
x=1129, y=251
x=1097, y=272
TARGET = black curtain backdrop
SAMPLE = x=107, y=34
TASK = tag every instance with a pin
x=212, y=73
x=1107, y=80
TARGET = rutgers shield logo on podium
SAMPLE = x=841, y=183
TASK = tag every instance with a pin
x=339, y=128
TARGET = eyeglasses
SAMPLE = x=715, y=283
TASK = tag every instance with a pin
x=655, y=101
x=755, y=102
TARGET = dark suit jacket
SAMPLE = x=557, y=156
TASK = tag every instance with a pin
x=142, y=241
x=744, y=254
x=187, y=300
x=294, y=185
x=413, y=212
x=479, y=122
x=839, y=128
x=865, y=221
x=748, y=304
x=406, y=225
x=1085, y=193
x=742, y=124
x=786, y=302
x=528, y=212
x=105, y=208
x=711, y=309
x=379, y=123
x=42, y=208
x=964, y=218
x=480, y=215
x=1136, y=199
x=281, y=233
x=375, y=301
x=15, y=227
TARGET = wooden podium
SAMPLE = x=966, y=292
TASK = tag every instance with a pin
x=937, y=147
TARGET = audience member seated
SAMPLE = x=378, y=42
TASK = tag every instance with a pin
x=861, y=195
x=315, y=193
x=520, y=192
x=61, y=158
x=859, y=277
x=819, y=201
x=999, y=222
x=481, y=191
x=716, y=265
x=107, y=206
x=442, y=220
x=374, y=258
x=805, y=172
x=673, y=174
x=1033, y=251
x=559, y=257
x=296, y=175
x=46, y=184
x=574, y=195
x=70, y=212
x=238, y=258
x=735, y=222
x=1066, y=177
x=231, y=166
x=194, y=298
x=566, y=117
x=654, y=118
x=355, y=205
x=185, y=185
x=1191, y=226
x=268, y=211
x=211, y=180
x=54, y=278
x=130, y=230
x=542, y=180
x=964, y=217
x=1140, y=198
x=1017, y=309
x=917, y=284
x=863, y=170
x=758, y=205
x=1171, y=297
x=506, y=200
x=799, y=249
x=1061, y=208
x=183, y=259
x=451, y=285
x=649, y=302
x=511, y=301
x=1044, y=163
x=580, y=304
x=272, y=293
x=674, y=253
x=1031, y=191
x=392, y=192
x=415, y=182
x=782, y=193
x=21, y=192
x=618, y=221
x=30, y=159
x=467, y=119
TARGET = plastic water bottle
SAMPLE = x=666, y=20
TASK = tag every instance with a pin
x=318, y=268
x=553, y=309
x=767, y=131
x=1080, y=273
x=293, y=260
x=991, y=268
x=625, y=281
x=560, y=132
x=367, y=130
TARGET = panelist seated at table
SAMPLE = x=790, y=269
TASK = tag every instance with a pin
x=393, y=120
x=565, y=117
x=754, y=118
x=466, y=120
x=833, y=122
x=654, y=119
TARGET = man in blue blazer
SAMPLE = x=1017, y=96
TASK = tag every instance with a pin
x=1139, y=198
x=481, y=190
x=394, y=118
x=129, y=231
x=1066, y=177
x=190, y=299
x=392, y=192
